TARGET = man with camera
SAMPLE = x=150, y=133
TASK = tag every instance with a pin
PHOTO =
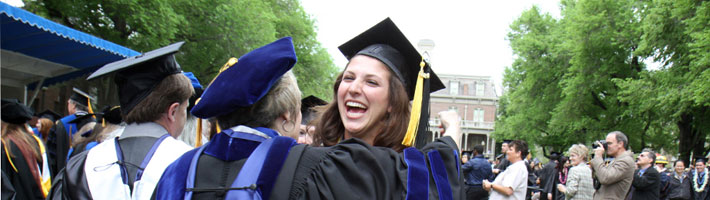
x=616, y=176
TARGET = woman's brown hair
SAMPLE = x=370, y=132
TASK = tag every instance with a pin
x=29, y=147
x=390, y=129
x=46, y=125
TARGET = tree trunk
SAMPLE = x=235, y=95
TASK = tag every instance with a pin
x=685, y=137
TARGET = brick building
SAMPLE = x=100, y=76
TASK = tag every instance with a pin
x=475, y=99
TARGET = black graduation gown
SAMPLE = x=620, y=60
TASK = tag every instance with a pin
x=504, y=163
x=8, y=191
x=21, y=180
x=58, y=144
x=548, y=178
x=353, y=169
x=699, y=195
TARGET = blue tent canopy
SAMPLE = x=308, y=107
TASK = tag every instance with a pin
x=35, y=48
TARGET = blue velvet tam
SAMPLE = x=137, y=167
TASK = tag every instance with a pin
x=193, y=80
x=248, y=80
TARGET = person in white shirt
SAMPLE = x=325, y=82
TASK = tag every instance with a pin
x=511, y=183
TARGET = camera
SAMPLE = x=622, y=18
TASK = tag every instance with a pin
x=603, y=142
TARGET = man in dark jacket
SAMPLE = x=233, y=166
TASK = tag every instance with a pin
x=647, y=180
x=680, y=183
x=476, y=170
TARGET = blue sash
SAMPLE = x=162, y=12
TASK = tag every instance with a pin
x=70, y=128
x=257, y=176
x=417, y=174
x=222, y=152
x=438, y=170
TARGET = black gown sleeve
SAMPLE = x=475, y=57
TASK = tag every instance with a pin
x=70, y=182
x=355, y=170
x=19, y=176
x=8, y=191
x=58, y=143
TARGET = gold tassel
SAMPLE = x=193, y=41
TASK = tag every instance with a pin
x=231, y=62
x=216, y=125
x=198, y=138
x=103, y=122
x=416, y=107
x=91, y=111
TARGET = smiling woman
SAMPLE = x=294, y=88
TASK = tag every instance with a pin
x=372, y=94
x=370, y=104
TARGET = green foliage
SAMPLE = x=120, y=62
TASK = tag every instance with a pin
x=579, y=77
x=213, y=30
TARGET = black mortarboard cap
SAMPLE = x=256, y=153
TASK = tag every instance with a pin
x=14, y=112
x=81, y=97
x=49, y=114
x=83, y=119
x=507, y=141
x=111, y=114
x=137, y=76
x=387, y=43
x=700, y=159
x=554, y=155
x=307, y=105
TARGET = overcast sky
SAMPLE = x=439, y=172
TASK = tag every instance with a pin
x=469, y=35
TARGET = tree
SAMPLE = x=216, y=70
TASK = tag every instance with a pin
x=213, y=31
x=560, y=86
x=676, y=34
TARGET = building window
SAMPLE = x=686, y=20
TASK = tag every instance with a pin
x=478, y=115
x=454, y=85
x=480, y=89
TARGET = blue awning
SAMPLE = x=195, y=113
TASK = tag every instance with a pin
x=35, y=48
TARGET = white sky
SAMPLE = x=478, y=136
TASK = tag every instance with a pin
x=469, y=34
x=15, y=3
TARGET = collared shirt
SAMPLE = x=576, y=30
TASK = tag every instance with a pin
x=515, y=177
x=476, y=170
x=641, y=171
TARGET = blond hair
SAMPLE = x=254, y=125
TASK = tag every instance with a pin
x=580, y=150
x=284, y=96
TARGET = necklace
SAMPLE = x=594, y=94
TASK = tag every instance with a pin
x=695, y=181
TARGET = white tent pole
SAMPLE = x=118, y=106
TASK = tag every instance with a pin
x=24, y=99
x=37, y=89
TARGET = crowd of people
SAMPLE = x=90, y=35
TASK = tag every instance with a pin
x=608, y=171
x=248, y=134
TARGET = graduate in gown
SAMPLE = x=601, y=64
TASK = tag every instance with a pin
x=85, y=124
x=153, y=97
x=369, y=127
x=699, y=186
x=267, y=104
x=45, y=124
x=101, y=128
x=22, y=162
x=59, y=142
x=308, y=114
